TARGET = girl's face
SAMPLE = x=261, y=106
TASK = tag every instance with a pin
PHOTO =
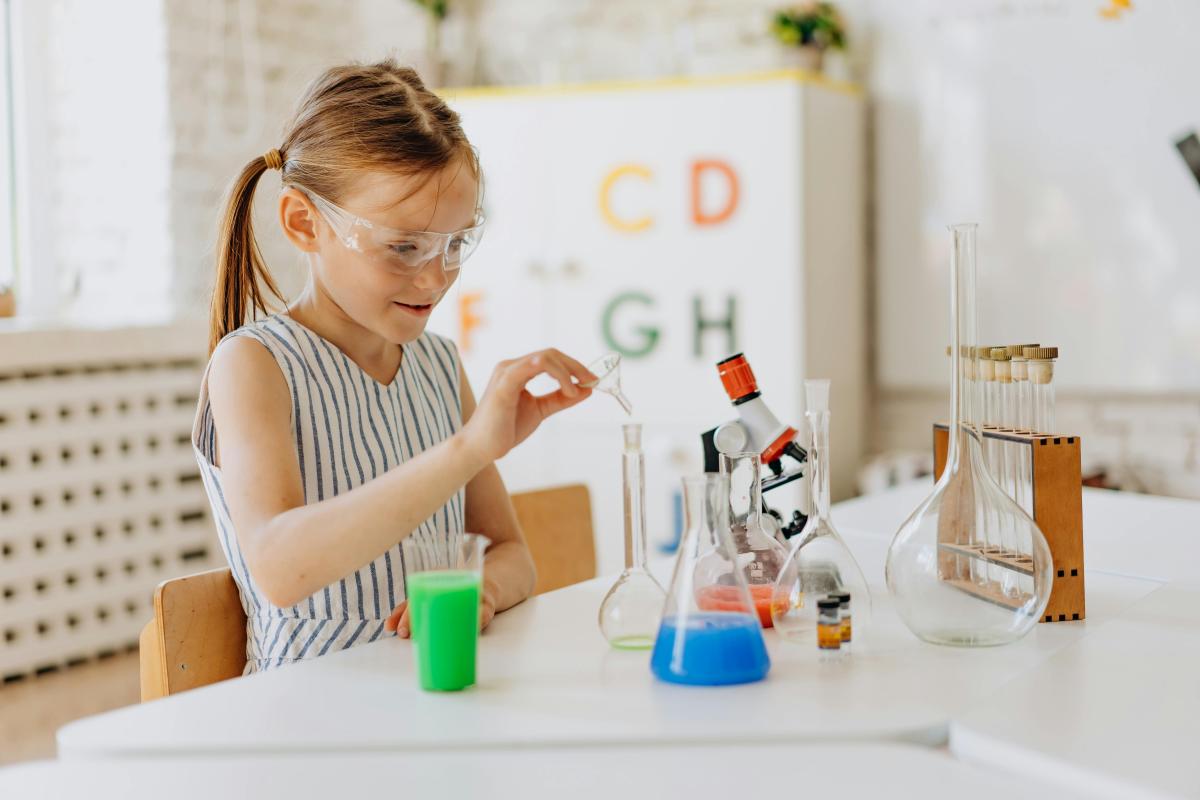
x=364, y=278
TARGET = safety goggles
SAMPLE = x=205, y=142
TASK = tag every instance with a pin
x=402, y=251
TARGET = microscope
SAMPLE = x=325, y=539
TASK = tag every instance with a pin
x=756, y=429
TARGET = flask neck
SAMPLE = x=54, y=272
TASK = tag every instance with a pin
x=706, y=513
x=741, y=472
x=633, y=472
x=965, y=392
x=818, y=460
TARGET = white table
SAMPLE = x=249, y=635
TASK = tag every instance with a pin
x=548, y=680
x=663, y=773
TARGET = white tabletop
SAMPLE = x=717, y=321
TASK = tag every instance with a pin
x=548, y=678
x=666, y=773
x=1117, y=715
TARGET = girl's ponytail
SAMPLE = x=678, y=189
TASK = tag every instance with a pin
x=240, y=265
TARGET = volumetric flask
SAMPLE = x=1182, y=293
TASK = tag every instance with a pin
x=945, y=573
x=820, y=563
x=698, y=645
x=630, y=612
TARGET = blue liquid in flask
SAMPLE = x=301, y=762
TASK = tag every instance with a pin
x=714, y=649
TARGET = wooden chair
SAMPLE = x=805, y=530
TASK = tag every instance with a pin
x=198, y=634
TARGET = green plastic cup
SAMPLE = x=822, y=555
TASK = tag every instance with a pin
x=444, y=582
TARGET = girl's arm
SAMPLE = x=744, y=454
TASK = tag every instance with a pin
x=509, y=575
x=293, y=549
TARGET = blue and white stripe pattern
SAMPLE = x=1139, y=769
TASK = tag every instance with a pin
x=349, y=428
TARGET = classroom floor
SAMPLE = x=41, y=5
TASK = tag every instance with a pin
x=32, y=710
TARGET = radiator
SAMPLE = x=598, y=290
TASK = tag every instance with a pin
x=100, y=496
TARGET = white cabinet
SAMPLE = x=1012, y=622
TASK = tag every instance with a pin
x=677, y=222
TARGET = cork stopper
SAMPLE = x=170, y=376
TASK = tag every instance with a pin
x=1041, y=370
x=1016, y=351
x=1040, y=353
x=987, y=369
x=1020, y=369
x=1000, y=354
x=1003, y=369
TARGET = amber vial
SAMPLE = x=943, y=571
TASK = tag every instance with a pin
x=844, y=619
x=829, y=624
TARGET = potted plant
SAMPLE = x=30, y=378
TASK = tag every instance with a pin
x=808, y=30
x=434, y=68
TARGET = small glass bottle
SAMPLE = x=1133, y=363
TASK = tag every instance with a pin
x=846, y=620
x=630, y=612
x=819, y=562
x=829, y=626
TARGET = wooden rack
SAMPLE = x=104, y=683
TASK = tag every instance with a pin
x=1057, y=510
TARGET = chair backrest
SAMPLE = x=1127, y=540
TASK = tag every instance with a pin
x=198, y=634
x=558, y=528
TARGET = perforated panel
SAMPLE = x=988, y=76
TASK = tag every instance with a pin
x=100, y=498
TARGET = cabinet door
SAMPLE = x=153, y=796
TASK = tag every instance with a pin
x=676, y=241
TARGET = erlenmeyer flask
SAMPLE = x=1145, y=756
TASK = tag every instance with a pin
x=607, y=370
x=941, y=572
x=696, y=645
x=759, y=554
x=631, y=610
x=820, y=563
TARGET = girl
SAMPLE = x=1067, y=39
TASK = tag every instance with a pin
x=332, y=430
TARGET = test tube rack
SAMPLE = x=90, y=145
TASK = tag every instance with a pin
x=1057, y=510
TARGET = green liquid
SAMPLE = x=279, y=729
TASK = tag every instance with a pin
x=633, y=642
x=444, y=610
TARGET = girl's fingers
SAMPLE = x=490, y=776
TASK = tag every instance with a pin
x=554, y=402
x=399, y=615
x=557, y=370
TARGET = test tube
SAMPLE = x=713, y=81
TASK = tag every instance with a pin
x=988, y=401
x=1041, y=377
x=1005, y=457
x=1022, y=421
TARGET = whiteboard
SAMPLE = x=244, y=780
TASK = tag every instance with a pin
x=1053, y=125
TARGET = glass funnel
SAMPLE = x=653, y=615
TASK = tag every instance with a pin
x=698, y=645
x=760, y=555
x=631, y=610
x=944, y=572
x=607, y=370
x=819, y=563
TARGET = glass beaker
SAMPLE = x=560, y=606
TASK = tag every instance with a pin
x=695, y=645
x=819, y=563
x=759, y=554
x=607, y=370
x=929, y=561
x=443, y=582
x=633, y=606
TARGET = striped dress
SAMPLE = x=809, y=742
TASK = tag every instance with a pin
x=348, y=429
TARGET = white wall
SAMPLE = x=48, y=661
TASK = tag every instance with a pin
x=1152, y=441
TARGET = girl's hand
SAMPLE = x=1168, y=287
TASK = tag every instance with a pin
x=507, y=414
x=399, y=622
